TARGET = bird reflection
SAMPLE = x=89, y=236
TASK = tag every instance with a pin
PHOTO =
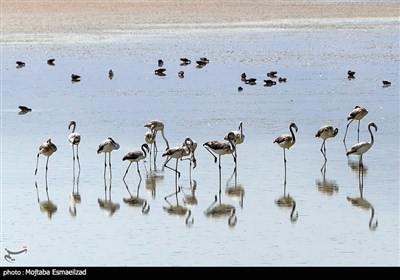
x=75, y=197
x=151, y=182
x=46, y=206
x=190, y=199
x=219, y=209
x=326, y=186
x=106, y=204
x=356, y=167
x=236, y=191
x=137, y=201
x=287, y=201
x=362, y=203
x=179, y=209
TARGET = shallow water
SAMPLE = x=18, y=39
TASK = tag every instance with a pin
x=205, y=105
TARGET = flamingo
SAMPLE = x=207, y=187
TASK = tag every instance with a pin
x=238, y=139
x=362, y=147
x=136, y=156
x=286, y=141
x=155, y=126
x=221, y=148
x=74, y=139
x=358, y=113
x=325, y=132
x=46, y=149
x=149, y=138
x=192, y=148
x=177, y=153
x=107, y=146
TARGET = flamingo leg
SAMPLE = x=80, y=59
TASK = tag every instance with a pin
x=109, y=163
x=77, y=157
x=345, y=134
x=126, y=172
x=176, y=171
x=284, y=161
x=105, y=164
x=47, y=168
x=219, y=168
x=140, y=176
x=215, y=158
x=358, y=130
x=37, y=162
x=73, y=161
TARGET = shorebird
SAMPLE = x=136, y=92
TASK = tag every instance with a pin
x=350, y=74
x=107, y=146
x=46, y=149
x=386, y=83
x=160, y=72
x=272, y=74
x=75, y=78
x=325, y=132
x=110, y=74
x=136, y=156
x=50, y=61
x=20, y=64
x=185, y=61
x=282, y=80
x=156, y=126
x=285, y=141
x=358, y=113
x=24, y=110
x=181, y=74
x=74, y=139
x=240, y=89
x=269, y=83
x=363, y=147
x=160, y=63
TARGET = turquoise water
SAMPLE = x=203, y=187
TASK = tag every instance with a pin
x=204, y=105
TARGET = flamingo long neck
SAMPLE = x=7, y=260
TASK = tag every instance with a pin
x=293, y=208
x=144, y=151
x=293, y=137
x=372, y=136
x=165, y=139
x=73, y=127
x=241, y=130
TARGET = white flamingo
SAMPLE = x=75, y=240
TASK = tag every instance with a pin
x=107, y=146
x=358, y=113
x=74, y=139
x=362, y=147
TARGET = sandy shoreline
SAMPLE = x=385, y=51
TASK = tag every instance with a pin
x=30, y=17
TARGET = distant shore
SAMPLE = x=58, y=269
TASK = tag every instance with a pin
x=29, y=17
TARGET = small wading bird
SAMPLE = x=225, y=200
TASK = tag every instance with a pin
x=50, y=61
x=350, y=74
x=46, y=149
x=136, y=156
x=75, y=78
x=362, y=147
x=155, y=126
x=358, y=113
x=24, y=110
x=107, y=146
x=325, y=132
x=285, y=141
x=110, y=74
x=20, y=64
x=74, y=139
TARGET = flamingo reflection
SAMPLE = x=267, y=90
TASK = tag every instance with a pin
x=75, y=197
x=219, y=209
x=46, y=206
x=326, y=186
x=362, y=203
x=107, y=204
x=137, y=201
x=190, y=199
x=286, y=201
x=236, y=191
x=179, y=210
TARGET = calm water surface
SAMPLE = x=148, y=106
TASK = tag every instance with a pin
x=205, y=105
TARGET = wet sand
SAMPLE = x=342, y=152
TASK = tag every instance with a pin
x=94, y=16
